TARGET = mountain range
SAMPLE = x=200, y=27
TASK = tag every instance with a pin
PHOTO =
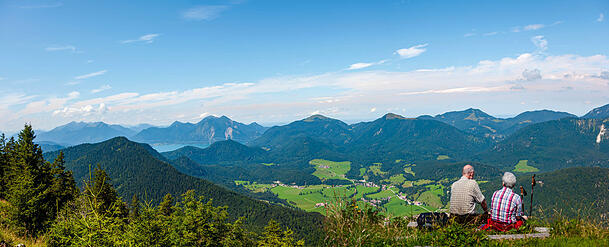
x=478, y=122
x=212, y=129
x=207, y=131
x=80, y=132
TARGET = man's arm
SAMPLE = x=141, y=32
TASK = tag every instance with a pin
x=483, y=204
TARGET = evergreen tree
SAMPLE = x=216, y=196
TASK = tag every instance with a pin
x=3, y=165
x=63, y=187
x=36, y=188
x=274, y=236
x=165, y=208
x=134, y=208
x=103, y=195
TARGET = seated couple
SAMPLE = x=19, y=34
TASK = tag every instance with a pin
x=506, y=206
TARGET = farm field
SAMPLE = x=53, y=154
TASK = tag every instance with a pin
x=325, y=169
x=384, y=195
x=523, y=167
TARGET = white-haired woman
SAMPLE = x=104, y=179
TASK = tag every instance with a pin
x=506, y=207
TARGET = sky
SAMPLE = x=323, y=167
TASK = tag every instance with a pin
x=156, y=62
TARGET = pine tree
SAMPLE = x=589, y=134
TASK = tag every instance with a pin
x=33, y=201
x=103, y=195
x=274, y=236
x=165, y=208
x=134, y=208
x=3, y=165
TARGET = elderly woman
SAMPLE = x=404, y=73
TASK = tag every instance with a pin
x=506, y=207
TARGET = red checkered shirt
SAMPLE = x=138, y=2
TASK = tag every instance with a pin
x=505, y=206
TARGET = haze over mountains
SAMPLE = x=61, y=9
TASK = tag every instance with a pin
x=212, y=129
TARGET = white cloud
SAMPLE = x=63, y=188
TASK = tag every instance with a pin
x=469, y=34
x=356, y=66
x=531, y=75
x=540, y=42
x=204, y=13
x=102, y=88
x=48, y=104
x=344, y=94
x=85, y=76
x=147, y=39
x=600, y=18
x=72, y=83
x=373, y=109
x=62, y=48
x=490, y=34
x=412, y=51
x=533, y=27
x=89, y=61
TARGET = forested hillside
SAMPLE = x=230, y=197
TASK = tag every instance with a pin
x=553, y=145
x=135, y=169
x=575, y=191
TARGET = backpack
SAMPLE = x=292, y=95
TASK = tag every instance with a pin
x=428, y=220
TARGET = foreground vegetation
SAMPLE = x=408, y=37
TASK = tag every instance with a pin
x=348, y=224
x=40, y=205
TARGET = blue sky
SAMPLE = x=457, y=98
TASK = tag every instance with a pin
x=131, y=62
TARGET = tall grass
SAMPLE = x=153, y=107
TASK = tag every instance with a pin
x=348, y=224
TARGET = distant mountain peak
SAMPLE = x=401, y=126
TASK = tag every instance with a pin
x=598, y=113
x=316, y=117
x=389, y=116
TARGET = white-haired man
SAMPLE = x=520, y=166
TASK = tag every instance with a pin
x=464, y=194
x=506, y=207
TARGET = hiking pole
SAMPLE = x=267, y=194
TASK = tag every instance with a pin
x=532, y=185
x=523, y=193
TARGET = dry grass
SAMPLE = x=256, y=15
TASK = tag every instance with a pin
x=13, y=239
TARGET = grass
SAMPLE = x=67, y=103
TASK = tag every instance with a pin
x=408, y=170
x=363, y=190
x=269, y=164
x=523, y=167
x=396, y=179
x=325, y=169
x=422, y=182
x=442, y=157
x=348, y=224
x=13, y=239
x=362, y=171
x=376, y=169
x=382, y=194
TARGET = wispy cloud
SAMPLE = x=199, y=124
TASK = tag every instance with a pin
x=533, y=27
x=412, y=51
x=540, y=42
x=469, y=34
x=356, y=66
x=102, y=88
x=204, y=12
x=72, y=83
x=147, y=39
x=85, y=76
x=600, y=18
x=490, y=33
x=62, y=48
x=42, y=6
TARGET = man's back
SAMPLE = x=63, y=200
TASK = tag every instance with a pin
x=464, y=195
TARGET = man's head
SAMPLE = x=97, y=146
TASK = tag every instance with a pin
x=468, y=171
x=509, y=180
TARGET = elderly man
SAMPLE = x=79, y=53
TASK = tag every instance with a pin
x=506, y=207
x=464, y=195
